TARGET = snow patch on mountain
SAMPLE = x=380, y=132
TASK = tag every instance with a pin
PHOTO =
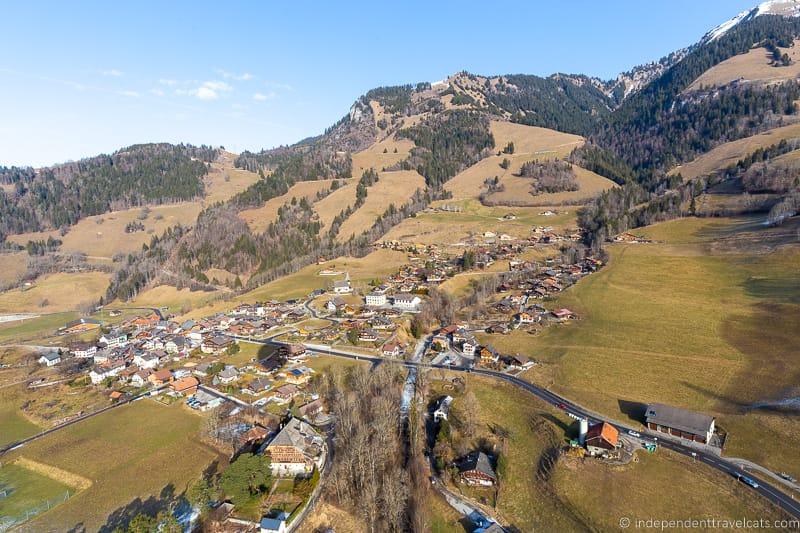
x=785, y=8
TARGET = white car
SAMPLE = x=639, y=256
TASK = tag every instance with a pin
x=633, y=433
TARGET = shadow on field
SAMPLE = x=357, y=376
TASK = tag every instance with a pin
x=121, y=517
x=635, y=411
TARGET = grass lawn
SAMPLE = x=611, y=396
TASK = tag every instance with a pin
x=703, y=319
x=136, y=457
x=14, y=425
x=28, y=490
x=326, y=363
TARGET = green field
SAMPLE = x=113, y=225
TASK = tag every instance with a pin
x=14, y=425
x=702, y=319
x=28, y=491
x=34, y=328
x=137, y=457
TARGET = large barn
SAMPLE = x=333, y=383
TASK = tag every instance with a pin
x=679, y=422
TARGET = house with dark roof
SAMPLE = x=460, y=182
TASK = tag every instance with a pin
x=476, y=469
x=296, y=450
x=679, y=422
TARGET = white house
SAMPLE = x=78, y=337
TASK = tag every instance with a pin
x=274, y=525
x=442, y=409
x=145, y=360
x=99, y=373
x=342, y=286
x=84, y=350
x=50, y=359
x=376, y=299
x=296, y=450
x=407, y=302
x=114, y=338
x=469, y=346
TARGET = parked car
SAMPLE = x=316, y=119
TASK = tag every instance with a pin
x=787, y=477
x=633, y=433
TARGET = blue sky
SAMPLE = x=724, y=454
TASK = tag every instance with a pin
x=77, y=79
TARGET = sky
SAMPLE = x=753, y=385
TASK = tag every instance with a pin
x=82, y=78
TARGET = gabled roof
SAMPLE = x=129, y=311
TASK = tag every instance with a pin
x=677, y=418
x=478, y=461
x=298, y=434
x=605, y=431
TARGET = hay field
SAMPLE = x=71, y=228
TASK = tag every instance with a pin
x=177, y=301
x=391, y=188
x=329, y=207
x=56, y=292
x=517, y=189
x=530, y=142
x=12, y=266
x=259, y=218
x=224, y=180
x=729, y=153
x=374, y=157
x=475, y=219
x=753, y=66
x=136, y=456
x=701, y=320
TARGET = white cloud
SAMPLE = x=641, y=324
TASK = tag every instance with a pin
x=169, y=83
x=217, y=86
x=260, y=97
x=205, y=93
x=132, y=94
x=244, y=76
x=278, y=85
x=112, y=72
x=156, y=91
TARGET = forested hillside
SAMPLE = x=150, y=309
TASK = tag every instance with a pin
x=57, y=197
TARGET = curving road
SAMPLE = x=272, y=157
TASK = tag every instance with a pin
x=765, y=489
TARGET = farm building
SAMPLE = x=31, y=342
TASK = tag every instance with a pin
x=50, y=358
x=296, y=449
x=679, y=422
x=601, y=439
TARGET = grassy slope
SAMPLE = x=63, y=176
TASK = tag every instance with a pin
x=30, y=490
x=752, y=66
x=260, y=218
x=133, y=454
x=702, y=321
x=377, y=264
x=729, y=153
x=475, y=219
x=12, y=266
x=392, y=188
x=56, y=292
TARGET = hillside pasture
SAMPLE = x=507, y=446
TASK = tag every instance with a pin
x=224, y=180
x=530, y=142
x=700, y=319
x=259, y=218
x=752, y=66
x=730, y=153
x=56, y=292
x=114, y=450
x=451, y=227
x=362, y=270
x=391, y=188
x=517, y=189
x=12, y=266
x=329, y=207
x=175, y=300
x=375, y=157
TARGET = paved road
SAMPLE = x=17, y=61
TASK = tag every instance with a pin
x=765, y=489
